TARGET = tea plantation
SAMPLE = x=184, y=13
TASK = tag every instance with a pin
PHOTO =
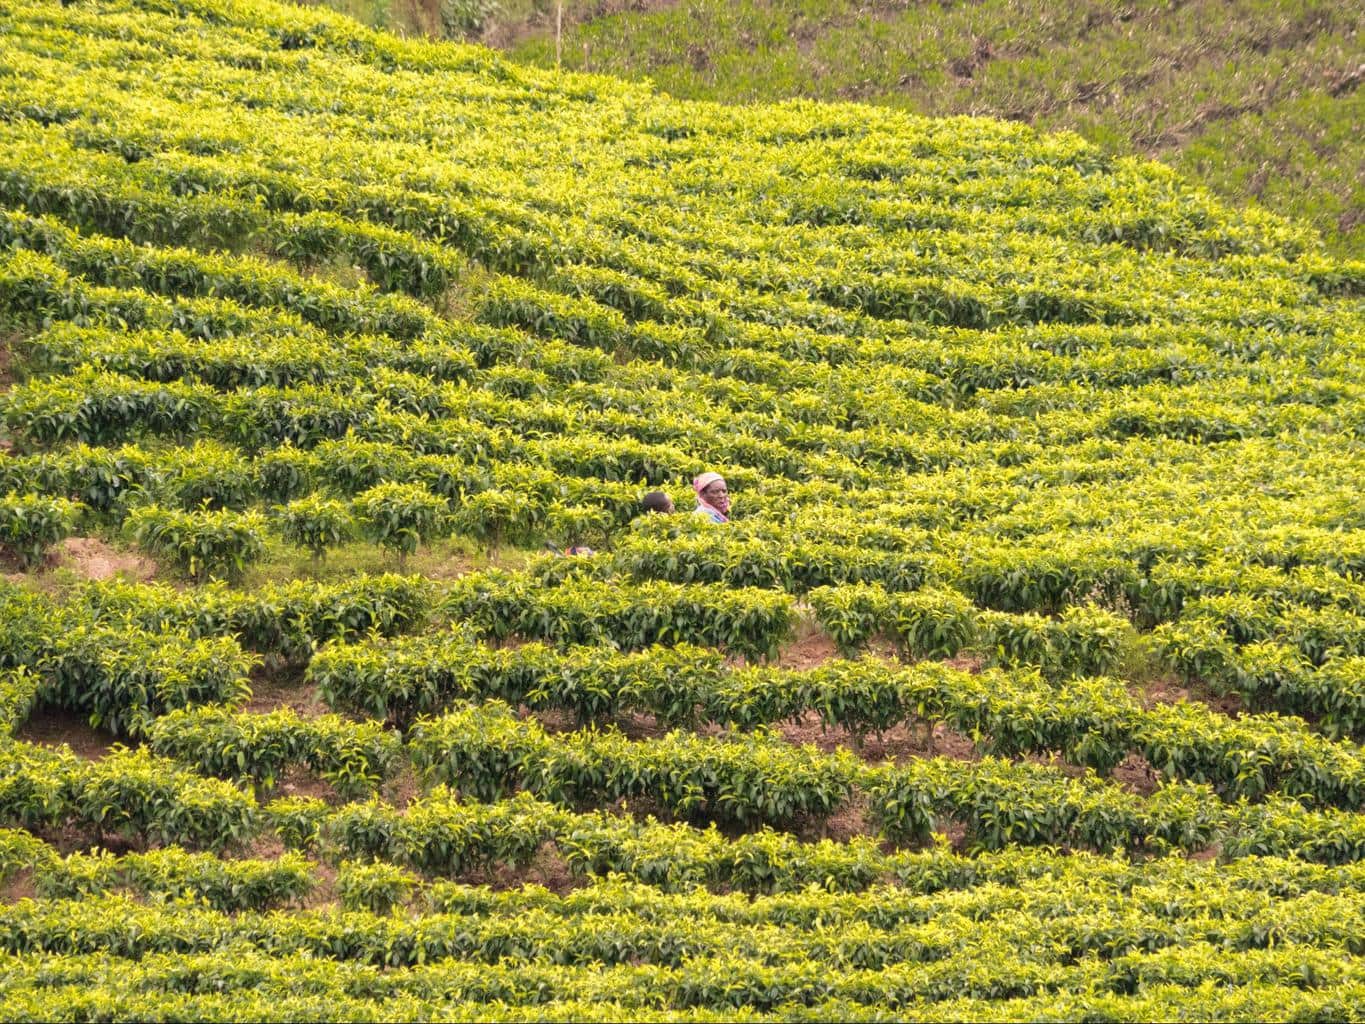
x=1027, y=680
x=1259, y=100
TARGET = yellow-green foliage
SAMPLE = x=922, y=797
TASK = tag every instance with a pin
x=1039, y=438
x=1258, y=100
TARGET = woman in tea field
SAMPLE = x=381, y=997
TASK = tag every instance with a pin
x=713, y=497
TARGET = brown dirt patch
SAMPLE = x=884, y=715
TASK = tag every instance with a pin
x=272, y=690
x=298, y=781
x=954, y=832
x=964, y=662
x=547, y=868
x=634, y=725
x=907, y=742
x=324, y=894
x=7, y=361
x=93, y=559
x=1057, y=763
x=19, y=887
x=266, y=846
x=1169, y=690
x=849, y=820
x=966, y=67
x=638, y=726
x=884, y=649
x=553, y=721
x=1229, y=704
x=811, y=650
x=1165, y=690
x=52, y=727
x=809, y=729
x=1136, y=774
x=403, y=788
x=946, y=742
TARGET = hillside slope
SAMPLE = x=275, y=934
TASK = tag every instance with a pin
x=1258, y=101
x=1024, y=679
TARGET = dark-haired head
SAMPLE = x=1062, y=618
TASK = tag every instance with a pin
x=657, y=501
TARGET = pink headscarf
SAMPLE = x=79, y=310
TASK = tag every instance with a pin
x=720, y=512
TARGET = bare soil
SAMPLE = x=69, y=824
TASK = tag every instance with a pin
x=847, y=821
x=19, y=887
x=883, y=647
x=948, y=743
x=266, y=846
x=272, y=690
x=1136, y=774
x=1169, y=690
x=641, y=727
x=547, y=868
x=553, y=721
x=324, y=894
x=955, y=832
x=811, y=650
x=403, y=788
x=1055, y=762
x=93, y=559
x=901, y=743
x=965, y=662
x=52, y=727
x=297, y=781
x=6, y=361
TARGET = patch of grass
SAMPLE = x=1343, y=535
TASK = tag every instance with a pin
x=442, y=559
x=375, y=13
x=1139, y=663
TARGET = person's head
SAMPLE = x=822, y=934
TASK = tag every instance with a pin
x=657, y=501
x=711, y=489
